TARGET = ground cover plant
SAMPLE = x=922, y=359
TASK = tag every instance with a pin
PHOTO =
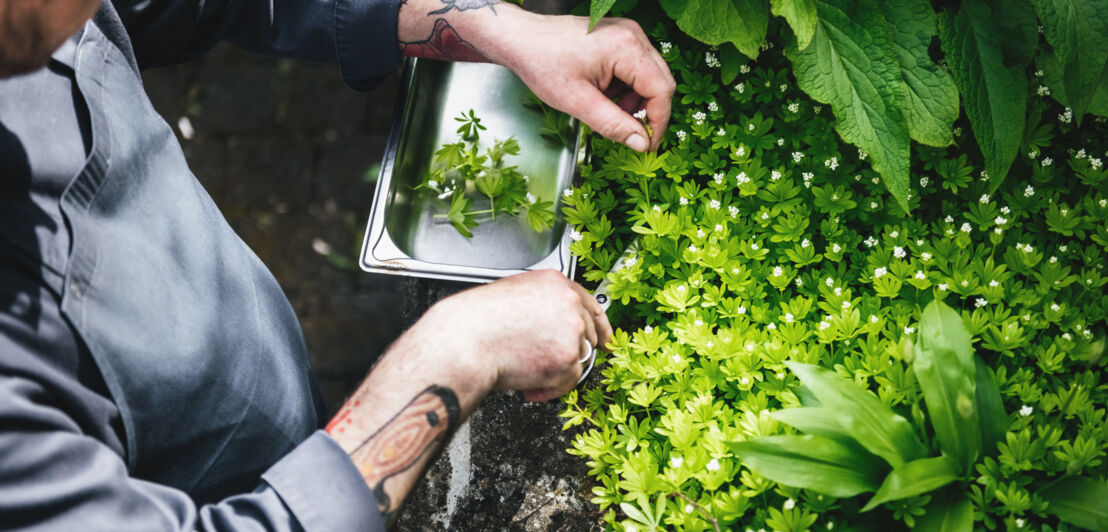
x=773, y=272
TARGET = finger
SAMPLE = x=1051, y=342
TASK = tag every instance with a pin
x=590, y=330
x=599, y=317
x=646, y=72
x=630, y=102
x=561, y=387
x=606, y=118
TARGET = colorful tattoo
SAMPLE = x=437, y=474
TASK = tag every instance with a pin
x=444, y=44
x=463, y=5
x=418, y=429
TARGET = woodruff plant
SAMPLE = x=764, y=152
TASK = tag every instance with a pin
x=766, y=249
x=872, y=62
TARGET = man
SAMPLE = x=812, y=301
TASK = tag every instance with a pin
x=152, y=374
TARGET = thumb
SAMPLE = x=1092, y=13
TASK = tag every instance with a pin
x=609, y=120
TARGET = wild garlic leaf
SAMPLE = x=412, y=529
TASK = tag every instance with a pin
x=801, y=16
x=1079, y=501
x=740, y=22
x=932, y=104
x=812, y=462
x=944, y=365
x=1075, y=30
x=597, y=10
x=868, y=102
x=994, y=91
x=862, y=415
x=915, y=478
x=991, y=416
x=947, y=515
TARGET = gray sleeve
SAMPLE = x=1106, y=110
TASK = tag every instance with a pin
x=54, y=477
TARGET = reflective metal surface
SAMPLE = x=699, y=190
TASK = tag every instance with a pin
x=405, y=238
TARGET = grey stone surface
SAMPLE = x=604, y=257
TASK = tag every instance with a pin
x=284, y=149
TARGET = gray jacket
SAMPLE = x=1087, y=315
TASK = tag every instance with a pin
x=152, y=373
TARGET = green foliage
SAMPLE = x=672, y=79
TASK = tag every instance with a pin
x=740, y=22
x=1075, y=30
x=460, y=168
x=1079, y=501
x=764, y=242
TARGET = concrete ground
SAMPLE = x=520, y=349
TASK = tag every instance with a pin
x=288, y=152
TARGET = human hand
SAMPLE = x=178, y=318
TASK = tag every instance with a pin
x=580, y=72
x=525, y=332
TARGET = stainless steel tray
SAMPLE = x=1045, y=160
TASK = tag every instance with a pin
x=404, y=238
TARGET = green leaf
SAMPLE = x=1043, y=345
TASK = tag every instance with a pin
x=540, y=215
x=811, y=462
x=915, y=478
x=851, y=64
x=1079, y=501
x=993, y=88
x=1075, y=30
x=740, y=22
x=801, y=16
x=597, y=10
x=990, y=408
x=862, y=415
x=944, y=515
x=810, y=420
x=731, y=60
x=932, y=104
x=945, y=368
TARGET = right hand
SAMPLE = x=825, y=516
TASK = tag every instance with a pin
x=525, y=332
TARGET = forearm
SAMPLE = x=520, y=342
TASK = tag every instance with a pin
x=404, y=412
x=469, y=30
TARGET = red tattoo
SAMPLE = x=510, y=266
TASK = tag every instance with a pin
x=444, y=44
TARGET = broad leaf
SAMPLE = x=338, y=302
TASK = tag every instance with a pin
x=1079, y=501
x=990, y=408
x=801, y=16
x=740, y=22
x=915, y=478
x=993, y=87
x=945, y=368
x=862, y=415
x=731, y=60
x=944, y=515
x=932, y=103
x=1075, y=30
x=811, y=462
x=851, y=64
x=811, y=420
x=597, y=10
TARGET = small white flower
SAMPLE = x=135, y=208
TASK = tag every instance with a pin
x=807, y=176
x=873, y=318
x=681, y=134
x=873, y=205
x=754, y=246
x=829, y=282
x=1066, y=117
x=733, y=210
x=899, y=252
x=648, y=329
x=718, y=178
x=870, y=241
x=794, y=107
x=742, y=179
x=880, y=272
x=666, y=46
x=692, y=248
x=823, y=325
x=1095, y=163
x=1019, y=520
x=1063, y=248
x=920, y=275
x=568, y=192
x=923, y=181
x=745, y=69
x=846, y=305
x=575, y=235
x=909, y=330
x=631, y=261
x=681, y=288
x=980, y=302
x=925, y=256
x=676, y=358
x=838, y=291
x=1080, y=153
x=740, y=87
x=689, y=508
x=1026, y=410
x=1055, y=307
x=817, y=108
x=1043, y=90
x=1029, y=191
x=783, y=87
x=640, y=114
x=744, y=381
x=765, y=216
x=714, y=204
x=711, y=60
x=531, y=198
x=949, y=219
x=713, y=106
x=774, y=175
x=998, y=230
x=994, y=283
x=832, y=163
x=799, y=282
x=1103, y=203
x=797, y=156
x=713, y=465
x=740, y=151
x=984, y=175
x=862, y=154
x=1053, y=259
x=789, y=504
x=780, y=142
x=750, y=127
x=1047, y=161
x=772, y=326
x=984, y=198
x=805, y=243
x=966, y=227
x=683, y=201
x=1067, y=336
x=700, y=232
x=943, y=287
x=777, y=271
x=1000, y=220
x=964, y=283
x=789, y=317
x=835, y=248
x=656, y=208
x=741, y=310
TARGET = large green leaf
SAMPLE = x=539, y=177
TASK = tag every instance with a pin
x=862, y=415
x=811, y=462
x=740, y=22
x=915, y=478
x=1076, y=31
x=801, y=16
x=932, y=104
x=851, y=64
x=1079, y=501
x=944, y=515
x=985, y=61
x=990, y=408
x=946, y=371
x=597, y=10
x=810, y=420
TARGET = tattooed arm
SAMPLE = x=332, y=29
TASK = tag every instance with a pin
x=571, y=69
x=523, y=332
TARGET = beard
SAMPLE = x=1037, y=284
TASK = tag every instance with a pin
x=32, y=29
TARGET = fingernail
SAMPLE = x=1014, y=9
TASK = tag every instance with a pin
x=636, y=142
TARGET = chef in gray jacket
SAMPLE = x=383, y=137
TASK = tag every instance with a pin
x=152, y=374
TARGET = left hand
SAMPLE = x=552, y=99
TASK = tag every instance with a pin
x=580, y=72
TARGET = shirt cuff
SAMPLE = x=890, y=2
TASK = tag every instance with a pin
x=365, y=41
x=323, y=489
